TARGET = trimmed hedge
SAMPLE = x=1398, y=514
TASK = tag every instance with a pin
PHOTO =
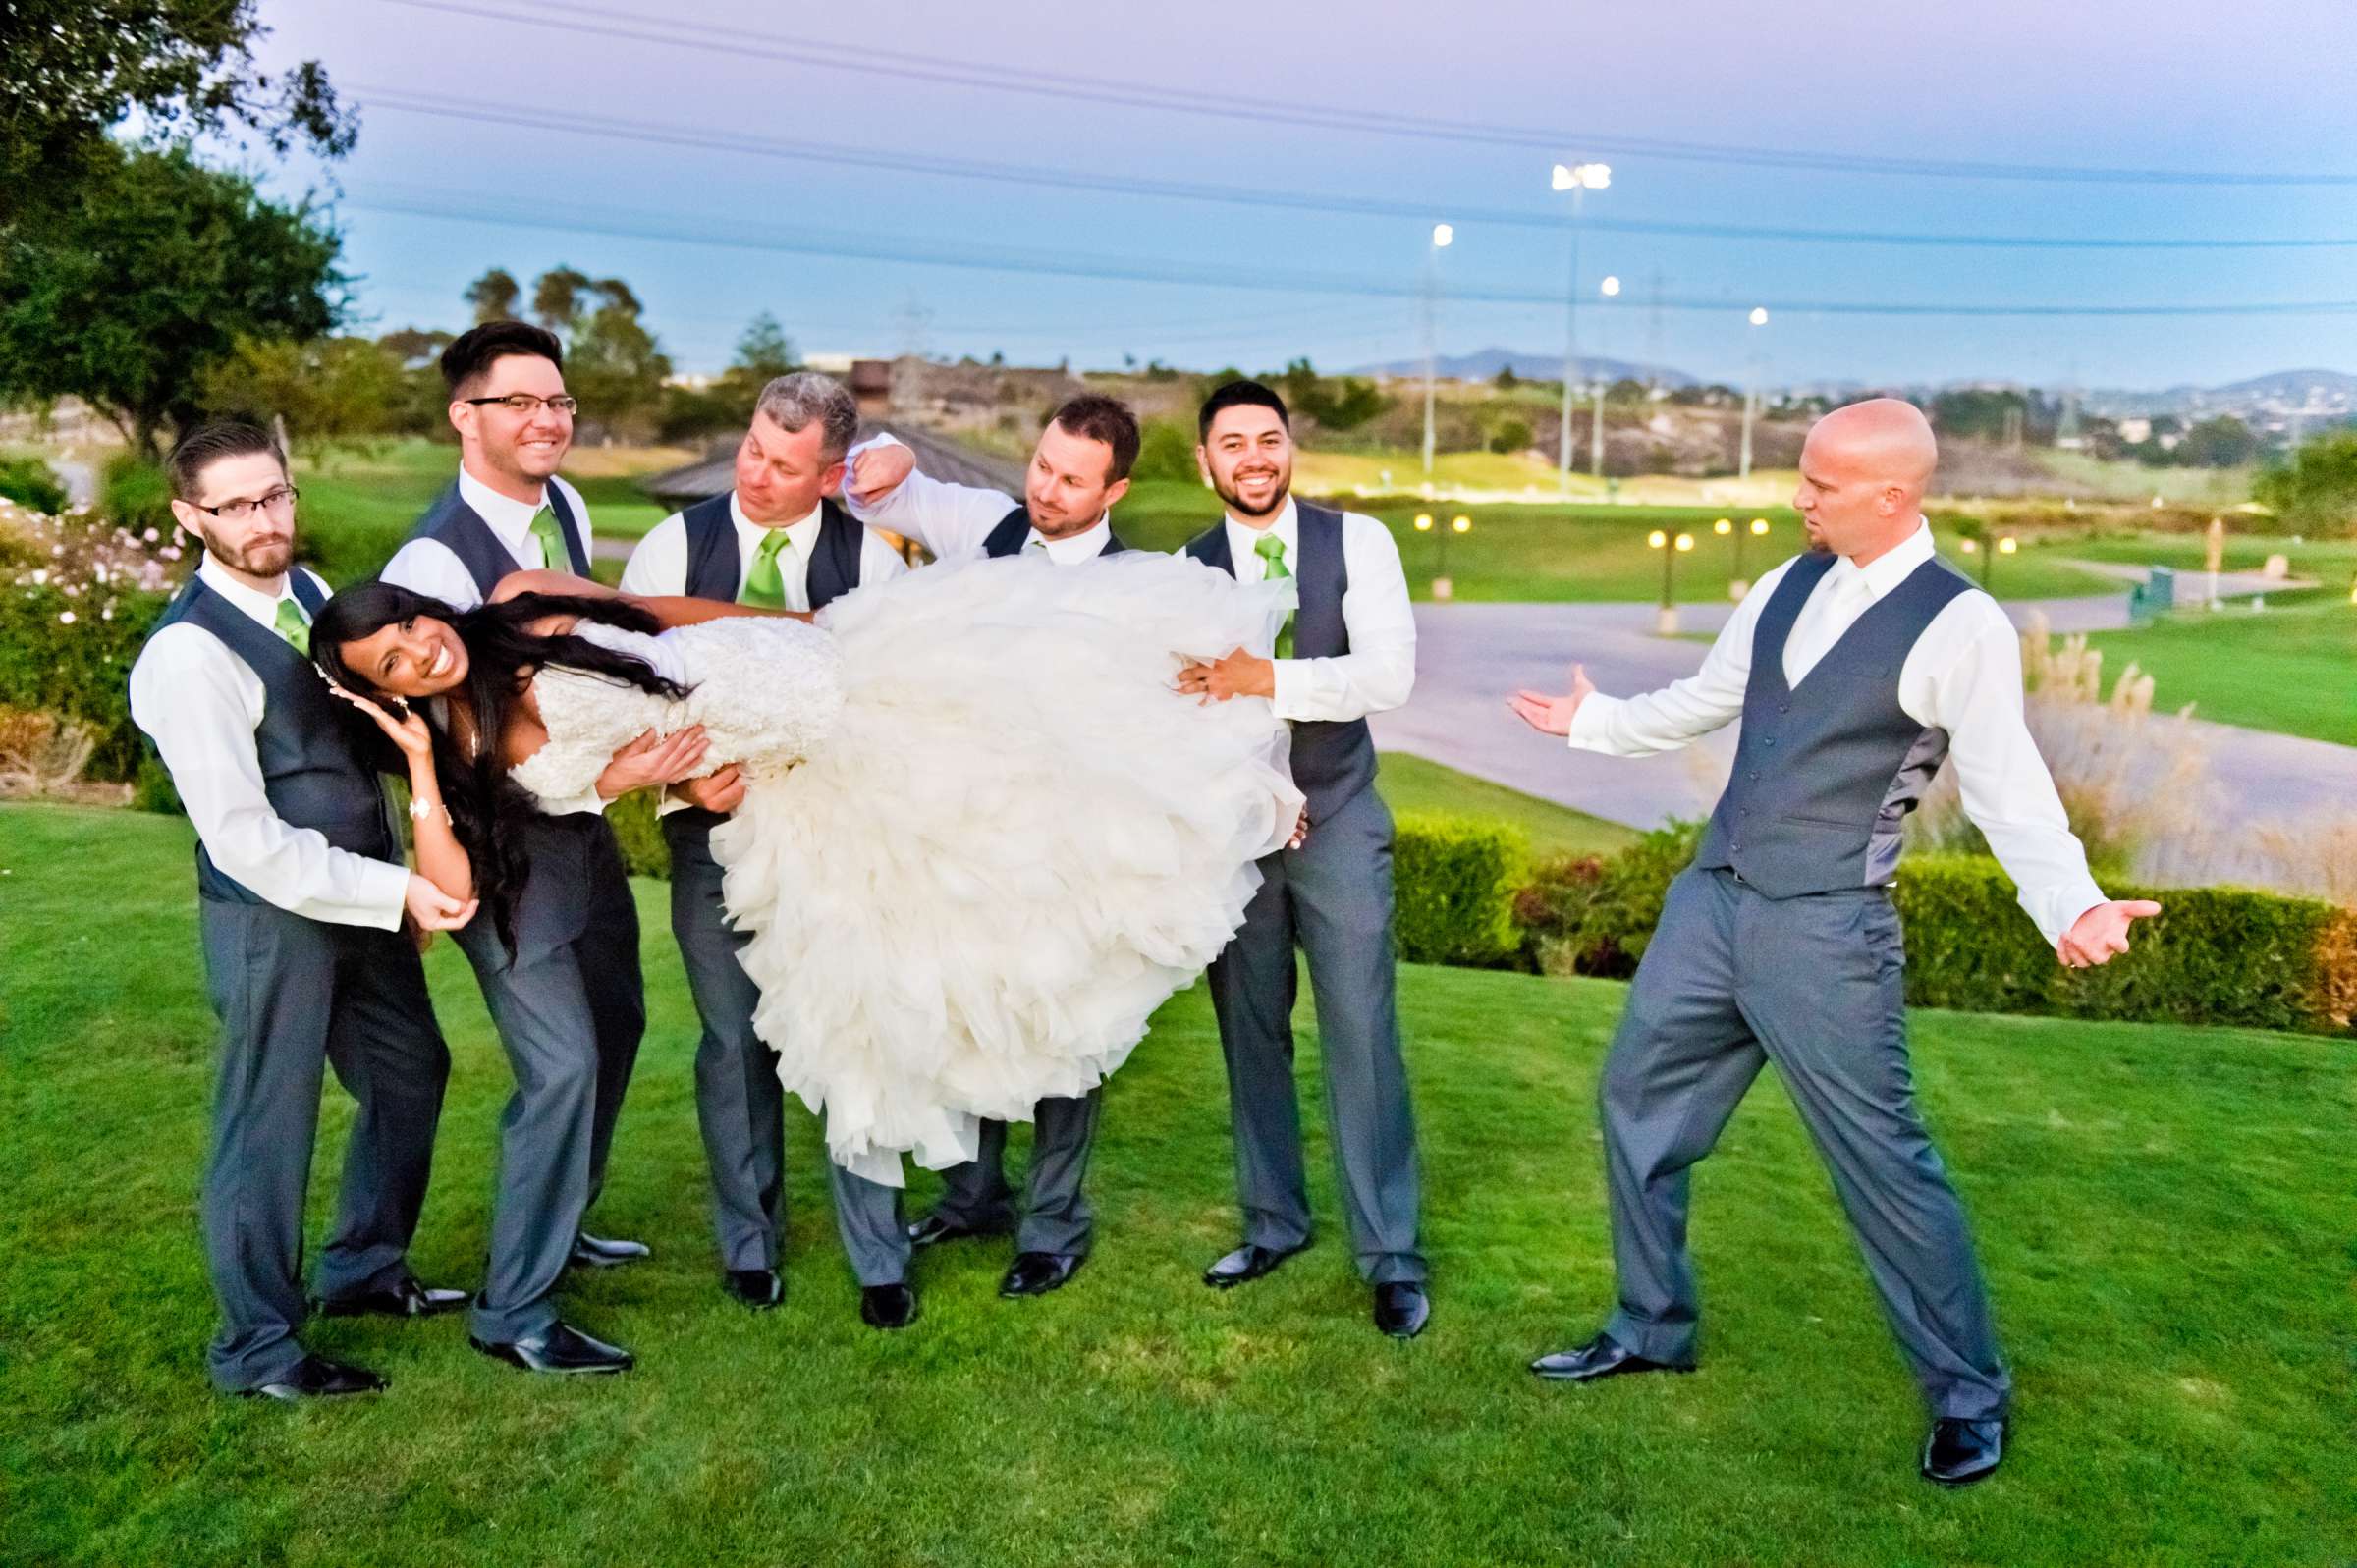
x=1452, y=889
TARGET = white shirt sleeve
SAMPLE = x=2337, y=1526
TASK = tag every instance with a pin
x=200, y=704
x=878, y=562
x=947, y=519
x=2007, y=791
x=658, y=566
x=431, y=568
x=1683, y=710
x=1380, y=670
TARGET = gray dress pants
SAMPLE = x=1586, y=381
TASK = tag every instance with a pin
x=1332, y=897
x=1056, y=1217
x=1732, y=980
x=295, y=995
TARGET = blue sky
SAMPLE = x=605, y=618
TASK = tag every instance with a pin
x=431, y=200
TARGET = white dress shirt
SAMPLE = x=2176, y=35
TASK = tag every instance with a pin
x=954, y=521
x=199, y=703
x=659, y=564
x=1380, y=670
x=430, y=566
x=1963, y=676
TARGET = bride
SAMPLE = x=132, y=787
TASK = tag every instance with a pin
x=982, y=837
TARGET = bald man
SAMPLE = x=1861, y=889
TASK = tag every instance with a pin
x=1856, y=669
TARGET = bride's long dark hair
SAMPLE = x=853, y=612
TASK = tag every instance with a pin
x=488, y=810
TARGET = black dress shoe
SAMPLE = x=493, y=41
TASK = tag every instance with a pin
x=1959, y=1452
x=1247, y=1263
x=596, y=1252
x=891, y=1306
x=934, y=1228
x=758, y=1288
x=408, y=1299
x=562, y=1350
x=1401, y=1309
x=1035, y=1273
x=317, y=1378
x=1601, y=1357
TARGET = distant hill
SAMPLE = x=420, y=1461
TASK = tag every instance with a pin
x=1484, y=364
x=2279, y=395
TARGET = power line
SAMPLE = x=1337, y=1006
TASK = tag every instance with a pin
x=652, y=134
x=742, y=44
x=506, y=209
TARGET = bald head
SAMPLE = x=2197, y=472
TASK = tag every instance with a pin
x=1863, y=474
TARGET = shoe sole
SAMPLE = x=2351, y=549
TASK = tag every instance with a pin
x=1230, y=1281
x=961, y=1235
x=1952, y=1483
x=1599, y=1376
x=506, y=1357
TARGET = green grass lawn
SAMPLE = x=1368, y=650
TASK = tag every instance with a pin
x=2331, y=563
x=1413, y=783
x=2163, y=1214
x=2291, y=666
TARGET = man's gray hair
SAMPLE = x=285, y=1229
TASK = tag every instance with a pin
x=794, y=400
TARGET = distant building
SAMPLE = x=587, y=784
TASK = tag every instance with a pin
x=2136, y=432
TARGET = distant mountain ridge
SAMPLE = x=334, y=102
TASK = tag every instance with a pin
x=1483, y=364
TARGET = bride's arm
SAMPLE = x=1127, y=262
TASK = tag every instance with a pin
x=672, y=610
x=441, y=858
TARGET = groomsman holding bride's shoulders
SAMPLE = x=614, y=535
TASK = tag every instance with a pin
x=302, y=891
x=776, y=541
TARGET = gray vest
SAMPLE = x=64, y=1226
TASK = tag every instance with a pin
x=1013, y=531
x=1332, y=760
x=714, y=565
x=317, y=771
x=459, y=528
x=1825, y=774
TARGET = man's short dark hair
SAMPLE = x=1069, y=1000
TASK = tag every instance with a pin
x=1097, y=418
x=472, y=353
x=207, y=445
x=1239, y=395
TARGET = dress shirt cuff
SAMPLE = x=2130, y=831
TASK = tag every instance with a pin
x=2057, y=909
x=384, y=892
x=1592, y=724
x=1288, y=692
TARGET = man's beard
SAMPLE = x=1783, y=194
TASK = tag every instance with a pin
x=1227, y=492
x=268, y=559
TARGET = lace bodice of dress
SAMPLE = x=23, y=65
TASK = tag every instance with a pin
x=766, y=690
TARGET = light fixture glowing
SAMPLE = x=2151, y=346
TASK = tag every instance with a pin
x=1443, y=236
x=1759, y=315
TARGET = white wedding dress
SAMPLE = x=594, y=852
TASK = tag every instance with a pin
x=982, y=837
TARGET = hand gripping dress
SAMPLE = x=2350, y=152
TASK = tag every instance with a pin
x=982, y=839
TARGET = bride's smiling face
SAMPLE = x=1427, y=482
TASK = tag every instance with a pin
x=417, y=657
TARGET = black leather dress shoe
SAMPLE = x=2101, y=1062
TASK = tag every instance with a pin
x=1960, y=1452
x=408, y=1299
x=935, y=1228
x=1401, y=1309
x=758, y=1288
x=1035, y=1273
x=1601, y=1357
x=561, y=1350
x=596, y=1252
x=891, y=1306
x=317, y=1378
x=1247, y=1263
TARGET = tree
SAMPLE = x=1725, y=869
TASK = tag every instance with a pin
x=1342, y=403
x=327, y=389
x=125, y=295
x=2317, y=490
x=1510, y=434
x=70, y=70
x=1507, y=380
x=763, y=353
x=494, y=294
x=2220, y=443
x=1977, y=411
x=614, y=365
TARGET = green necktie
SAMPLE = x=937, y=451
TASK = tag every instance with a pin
x=1271, y=550
x=1036, y=547
x=292, y=625
x=765, y=584
x=553, y=554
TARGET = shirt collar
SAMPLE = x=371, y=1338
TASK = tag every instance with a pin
x=1895, y=564
x=1087, y=545
x=1243, y=539
x=509, y=518
x=801, y=533
x=261, y=607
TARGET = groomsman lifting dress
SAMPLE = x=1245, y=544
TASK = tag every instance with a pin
x=301, y=891
x=569, y=1001
x=1349, y=650
x=1078, y=470
x=775, y=541
x=1856, y=669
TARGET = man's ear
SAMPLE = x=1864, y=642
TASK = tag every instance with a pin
x=188, y=516
x=1115, y=491
x=462, y=417
x=831, y=482
x=1203, y=461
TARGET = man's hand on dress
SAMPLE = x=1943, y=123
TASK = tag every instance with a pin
x=2102, y=932
x=721, y=791
x=1553, y=715
x=435, y=910
x=1238, y=674
x=655, y=759
x=877, y=472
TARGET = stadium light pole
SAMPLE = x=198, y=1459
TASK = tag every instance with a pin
x=1579, y=179
x=1751, y=386
x=1609, y=288
x=1443, y=236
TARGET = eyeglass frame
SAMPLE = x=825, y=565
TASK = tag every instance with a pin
x=563, y=403
x=251, y=503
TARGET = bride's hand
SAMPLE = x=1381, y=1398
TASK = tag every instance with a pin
x=408, y=732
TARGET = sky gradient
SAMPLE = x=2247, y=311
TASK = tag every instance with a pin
x=431, y=200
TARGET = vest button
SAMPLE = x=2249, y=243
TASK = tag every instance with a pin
x=1783, y=707
x=1770, y=741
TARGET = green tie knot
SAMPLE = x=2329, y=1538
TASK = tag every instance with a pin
x=292, y=624
x=765, y=584
x=1271, y=550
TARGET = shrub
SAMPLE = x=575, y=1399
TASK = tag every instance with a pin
x=641, y=837
x=1510, y=434
x=29, y=482
x=1585, y=916
x=133, y=494
x=1165, y=450
x=1452, y=883
x=73, y=615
